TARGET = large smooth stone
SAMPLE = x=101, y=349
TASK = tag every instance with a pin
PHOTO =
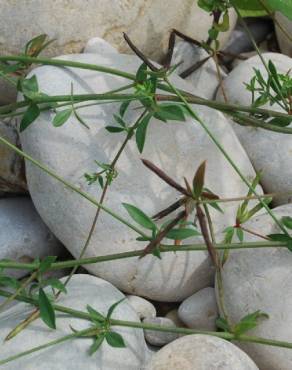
x=200, y=352
x=24, y=236
x=200, y=311
x=82, y=290
x=12, y=172
x=275, y=163
x=188, y=55
x=284, y=43
x=73, y=22
x=261, y=279
x=178, y=148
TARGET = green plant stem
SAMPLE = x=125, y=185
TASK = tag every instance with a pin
x=131, y=254
x=132, y=324
x=226, y=155
x=72, y=187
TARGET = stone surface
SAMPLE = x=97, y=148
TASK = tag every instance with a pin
x=82, y=290
x=96, y=45
x=144, y=308
x=201, y=352
x=200, y=310
x=173, y=316
x=12, y=176
x=284, y=43
x=276, y=163
x=24, y=236
x=188, y=55
x=72, y=24
x=69, y=216
x=260, y=279
x=8, y=92
x=159, y=338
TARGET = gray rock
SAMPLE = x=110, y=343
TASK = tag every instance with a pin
x=200, y=352
x=82, y=290
x=159, y=338
x=96, y=45
x=200, y=310
x=72, y=24
x=260, y=279
x=12, y=176
x=24, y=236
x=69, y=216
x=275, y=163
x=8, y=92
x=284, y=43
x=144, y=308
x=205, y=78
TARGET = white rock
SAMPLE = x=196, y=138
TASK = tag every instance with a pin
x=275, y=163
x=284, y=43
x=24, y=236
x=260, y=279
x=159, y=338
x=72, y=24
x=12, y=173
x=96, y=45
x=173, y=316
x=70, y=216
x=144, y=308
x=205, y=78
x=201, y=352
x=200, y=310
x=82, y=290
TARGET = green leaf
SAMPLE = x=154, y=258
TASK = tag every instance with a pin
x=283, y=6
x=207, y=5
x=222, y=324
x=287, y=221
x=56, y=283
x=181, y=234
x=29, y=87
x=140, y=217
x=239, y=233
x=115, y=339
x=120, y=121
x=95, y=315
x=113, y=307
x=281, y=121
x=97, y=343
x=156, y=252
x=249, y=322
x=224, y=25
x=250, y=8
x=229, y=232
x=141, y=74
x=46, y=263
x=199, y=179
x=62, y=117
x=279, y=237
x=123, y=108
x=29, y=117
x=168, y=112
x=114, y=129
x=47, y=312
x=141, y=132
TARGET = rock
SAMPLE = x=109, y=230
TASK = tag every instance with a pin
x=260, y=279
x=201, y=352
x=159, y=338
x=144, y=308
x=189, y=55
x=69, y=216
x=12, y=176
x=173, y=316
x=24, y=236
x=96, y=45
x=72, y=25
x=284, y=43
x=200, y=310
x=8, y=92
x=277, y=172
x=82, y=290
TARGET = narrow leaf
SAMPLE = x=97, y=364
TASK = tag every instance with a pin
x=140, y=217
x=97, y=343
x=47, y=312
x=181, y=234
x=199, y=179
x=62, y=117
x=141, y=132
x=29, y=116
x=95, y=315
x=114, y=129
x=113, y=307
